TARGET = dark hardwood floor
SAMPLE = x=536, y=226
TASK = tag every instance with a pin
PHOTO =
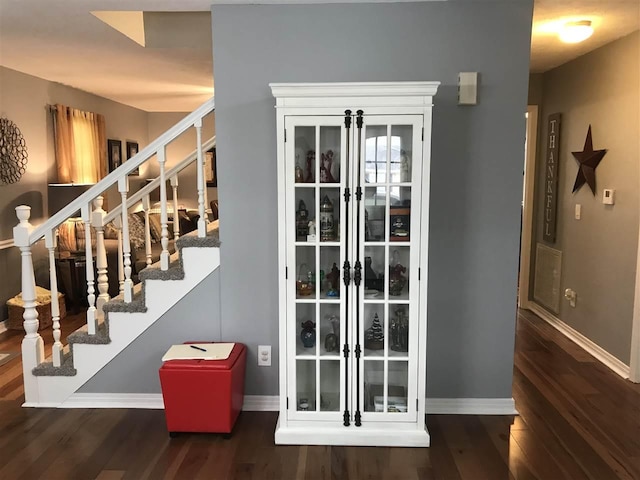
x=577, y=420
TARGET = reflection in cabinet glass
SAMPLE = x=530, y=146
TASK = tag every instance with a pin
x=353, y=172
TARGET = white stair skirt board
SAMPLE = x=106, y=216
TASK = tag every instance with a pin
x=125, y=327
x=589, y=346
x=371, y=435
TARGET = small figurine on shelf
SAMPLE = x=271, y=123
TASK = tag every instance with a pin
x=367, y=227
x=302, y=227
x=399, y=331
x=332, y=340
x=311, y=158
x=372, y=281
x=311, y=236
x=400, y=221
x=325, y=167
x=397, y=279
x=333, y=278
x=308, y=334
x=305, y=281
x=405, y=167
x=326, y=220
x=303, y=404
x=299, y=175
x=374, y=336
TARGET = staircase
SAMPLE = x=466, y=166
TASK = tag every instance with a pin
x=50, y=378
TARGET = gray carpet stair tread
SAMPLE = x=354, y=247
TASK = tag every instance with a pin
x=66, y=369
x=82, y=335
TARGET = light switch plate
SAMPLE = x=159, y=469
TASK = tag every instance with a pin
x=578, y=213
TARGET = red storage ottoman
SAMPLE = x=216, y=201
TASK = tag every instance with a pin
x=204, y=395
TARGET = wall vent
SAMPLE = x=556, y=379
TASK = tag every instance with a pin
x=546, y=282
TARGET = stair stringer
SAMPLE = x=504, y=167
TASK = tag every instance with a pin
x=125, y=327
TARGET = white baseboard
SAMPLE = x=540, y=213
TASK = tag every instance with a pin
x=3, y=326
x=149, y=401
x=261, y=403
x=270, y=403
x=153, y=401
x=471, y=406
x=579, y=339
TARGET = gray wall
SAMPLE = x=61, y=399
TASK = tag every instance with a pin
x=135, y=370
x=160, y=122
x=476, y=170
x=23, y=100
x=535, y=88
x=599, y=251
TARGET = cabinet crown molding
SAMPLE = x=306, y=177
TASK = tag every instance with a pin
x=354, y=89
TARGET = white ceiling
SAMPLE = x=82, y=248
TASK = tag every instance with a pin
x=611, y=19
x=63, y=42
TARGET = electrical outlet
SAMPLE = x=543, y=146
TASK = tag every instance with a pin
x=264, y=355
x=571, y=296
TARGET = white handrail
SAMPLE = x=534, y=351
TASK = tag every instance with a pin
x=123, y=171
x=152, y=185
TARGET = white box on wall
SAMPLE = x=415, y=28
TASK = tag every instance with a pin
x=468, y=88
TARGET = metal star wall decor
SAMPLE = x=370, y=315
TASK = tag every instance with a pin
x=588, y=159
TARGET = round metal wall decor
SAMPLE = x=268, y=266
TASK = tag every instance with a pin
x=13, y=152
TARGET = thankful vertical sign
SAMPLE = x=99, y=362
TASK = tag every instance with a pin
x=551, y=178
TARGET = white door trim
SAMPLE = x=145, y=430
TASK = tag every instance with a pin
x=527, y=210
x=634, y=364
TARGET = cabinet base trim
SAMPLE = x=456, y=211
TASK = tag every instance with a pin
x=366, y=436
x=471, y=406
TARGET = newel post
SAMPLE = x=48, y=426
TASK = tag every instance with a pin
x=32, y=344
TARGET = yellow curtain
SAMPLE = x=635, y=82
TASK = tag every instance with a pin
x=81, y=151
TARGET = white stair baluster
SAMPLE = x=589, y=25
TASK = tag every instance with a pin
x=117, y=221
x=202, y=225
x=123, y=188
x=206, y=197
x=146, y=205
x=164, y=256
x=97, y=222
x=32, y=344
x=92, y=317
x=176, y=220
x=56, y=348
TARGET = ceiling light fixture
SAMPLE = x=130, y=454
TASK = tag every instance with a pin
x=575, y=32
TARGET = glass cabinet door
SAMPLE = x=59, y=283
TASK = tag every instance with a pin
x=390, y=165
x=315, y=181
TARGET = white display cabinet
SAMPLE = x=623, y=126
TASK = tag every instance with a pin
x=353, y=196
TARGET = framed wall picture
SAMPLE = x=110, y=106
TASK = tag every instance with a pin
x=114, y=152
x=211, y=175
x=132, y=149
